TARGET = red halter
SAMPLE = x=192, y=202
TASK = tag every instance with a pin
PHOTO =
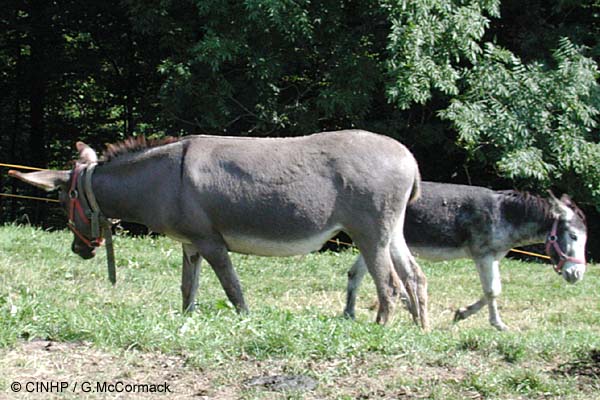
x=75, y=204
x=552, y=242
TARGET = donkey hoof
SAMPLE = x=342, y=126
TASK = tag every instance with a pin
x=460, y=314
x=349, y=315
x=243, y=310
x=188, y=308
x=382, y=318
x=500, y=326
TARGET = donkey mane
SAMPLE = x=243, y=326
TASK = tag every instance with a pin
x=536, y=206
x=518, y=205
x=133, y=144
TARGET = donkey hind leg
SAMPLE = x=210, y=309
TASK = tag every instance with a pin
x=355, y=277
x=414, y=280
x=190, y=275
x=216, y=254
x=380, y=266
x=466, y=312
x=489, y=275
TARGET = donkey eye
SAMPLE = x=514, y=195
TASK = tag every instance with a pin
x=573, y=236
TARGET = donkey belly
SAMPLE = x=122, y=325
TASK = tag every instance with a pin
x=439, y=253
x=280, y=247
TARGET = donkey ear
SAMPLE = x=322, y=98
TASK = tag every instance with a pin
x=552, y=196
x=565, y=198
x=86, y=154
x=47, y=180
x=557, y=205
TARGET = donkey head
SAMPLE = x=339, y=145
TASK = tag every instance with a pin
x=566, y=242
x=72, y=201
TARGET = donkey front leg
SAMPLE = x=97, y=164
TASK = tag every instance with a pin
x=215, y=252
x=190, y=275
x=489, y=275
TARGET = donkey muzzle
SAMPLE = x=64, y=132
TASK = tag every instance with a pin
x=83, y=250
x=573, y=273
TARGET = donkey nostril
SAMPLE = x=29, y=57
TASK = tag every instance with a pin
x=569, y=277
x=573, y=276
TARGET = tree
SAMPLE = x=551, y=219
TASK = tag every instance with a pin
x=535, y=123
x=272, y=67
x=430, y=44
x=70, y=71
x=104, y=70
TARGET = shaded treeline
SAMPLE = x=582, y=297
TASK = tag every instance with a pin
x=100, y=71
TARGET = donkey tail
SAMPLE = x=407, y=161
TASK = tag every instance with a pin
x=416, y=189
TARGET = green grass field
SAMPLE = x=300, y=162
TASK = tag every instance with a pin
x=61, y=320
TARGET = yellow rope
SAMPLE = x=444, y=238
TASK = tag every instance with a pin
x=531, y=254
x=513, y=250
x=22, y=167
x=18, y=196
x=29, y=197
x=338, y=242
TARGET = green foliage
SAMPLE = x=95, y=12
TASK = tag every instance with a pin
x=104, y=70
x=261, y=66
x=536, y=123
x=427, y=43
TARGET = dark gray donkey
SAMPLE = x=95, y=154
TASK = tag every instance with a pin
x=263, y=196
x=455, y=221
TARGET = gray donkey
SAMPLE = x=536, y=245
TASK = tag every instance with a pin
x=455, y=221
x=263, y=196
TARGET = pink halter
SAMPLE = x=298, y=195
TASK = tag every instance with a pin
x=552, y=242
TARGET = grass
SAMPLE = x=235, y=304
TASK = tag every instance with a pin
x=47, y=293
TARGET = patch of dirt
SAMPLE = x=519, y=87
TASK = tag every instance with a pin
x=83, y=366
x=371, y=377
x=37, y=364
x=283, y=382
x=586, y=369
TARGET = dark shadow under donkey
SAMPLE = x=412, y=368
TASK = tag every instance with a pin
x=263, y=196
x=454, y=221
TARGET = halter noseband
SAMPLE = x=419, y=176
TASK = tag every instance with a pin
x=552, y=243
x=96, y=219
x=75, y=193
